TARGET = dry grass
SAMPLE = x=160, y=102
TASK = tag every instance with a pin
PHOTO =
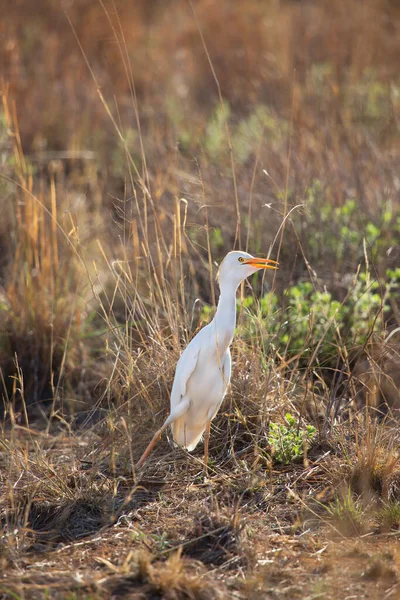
x=134, y=154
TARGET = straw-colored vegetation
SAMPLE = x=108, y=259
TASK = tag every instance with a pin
x=139, y=142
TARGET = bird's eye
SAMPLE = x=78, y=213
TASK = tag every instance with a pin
x=241, y=259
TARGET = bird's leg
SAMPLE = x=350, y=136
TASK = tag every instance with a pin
x=206, y=440
x=178, y=412
x=156, y=438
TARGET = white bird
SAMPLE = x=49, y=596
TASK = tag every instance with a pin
x=203, y=370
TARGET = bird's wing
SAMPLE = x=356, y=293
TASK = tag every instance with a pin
x=184, y=368
x=226, y=375
x=226, y=368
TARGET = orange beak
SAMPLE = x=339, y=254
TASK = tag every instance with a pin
x=261, y=263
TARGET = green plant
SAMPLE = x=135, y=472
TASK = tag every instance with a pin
x=313, y=317
x=306, y=322
x=215, y=142
x=289, y=441
x=216, y=238
x=250, y=132
x=262, y=320
x=343, y=233
x=161, y=541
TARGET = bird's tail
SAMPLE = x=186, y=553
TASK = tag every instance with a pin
x=185, y=436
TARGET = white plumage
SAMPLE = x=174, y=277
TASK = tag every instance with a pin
x=203, y=370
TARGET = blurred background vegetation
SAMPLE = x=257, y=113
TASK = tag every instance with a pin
x=141, y=141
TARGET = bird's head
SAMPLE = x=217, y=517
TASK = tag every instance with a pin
x=238, y=265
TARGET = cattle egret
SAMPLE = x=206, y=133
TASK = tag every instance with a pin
x=203, y=370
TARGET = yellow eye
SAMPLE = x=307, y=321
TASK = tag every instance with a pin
x=241, y=259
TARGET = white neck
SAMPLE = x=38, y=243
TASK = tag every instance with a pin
x=225, y=317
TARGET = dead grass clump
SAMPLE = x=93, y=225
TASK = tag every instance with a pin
x=379, y=570
x=6, y=557
x=377, y=378
x=390, y=516
x=68, y=520
x=362, y=480
x=347, y=514
x=214, y=541
x=170, y=580
x=376, y=473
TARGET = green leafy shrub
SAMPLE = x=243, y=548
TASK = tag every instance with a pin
x=306, y=321
x=313, y=316
x=343, y=234
x=288, y=440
